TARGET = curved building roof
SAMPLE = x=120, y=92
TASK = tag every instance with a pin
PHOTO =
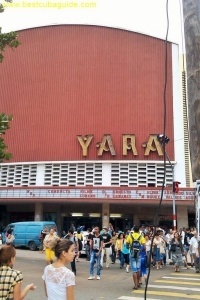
x=71, y=80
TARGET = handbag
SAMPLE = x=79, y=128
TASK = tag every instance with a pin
x=173, y=248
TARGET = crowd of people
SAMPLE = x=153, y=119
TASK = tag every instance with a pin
x=140, y=248
x=137, y=250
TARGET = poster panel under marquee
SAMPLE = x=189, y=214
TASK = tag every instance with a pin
x=95, y=193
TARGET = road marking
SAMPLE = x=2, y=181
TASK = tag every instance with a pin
x=173, y=287
x=185, y=274
x=158, y=293
x=194, y=279
x=134, y=298
x=178, y=282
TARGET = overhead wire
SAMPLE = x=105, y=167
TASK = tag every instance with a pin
x=164, y=151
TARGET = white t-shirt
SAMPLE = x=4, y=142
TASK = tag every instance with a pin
x=57, y=280
x=194, y=244
x=148, y=245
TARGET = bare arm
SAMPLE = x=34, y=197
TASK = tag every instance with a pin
x=18, y=294
x=45, y=289
x=70, y=292
x=17, y=291
x=101, y=246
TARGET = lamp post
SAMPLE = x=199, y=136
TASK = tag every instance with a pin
x=164, y=140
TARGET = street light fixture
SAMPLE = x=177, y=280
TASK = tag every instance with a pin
x=163, y=139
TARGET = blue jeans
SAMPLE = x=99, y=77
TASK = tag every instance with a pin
x=121, y=258
x=94, y=258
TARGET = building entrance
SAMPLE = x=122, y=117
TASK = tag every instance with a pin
x=83, y=222
x=121, y=224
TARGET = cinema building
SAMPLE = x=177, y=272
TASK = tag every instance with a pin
x=87, y=105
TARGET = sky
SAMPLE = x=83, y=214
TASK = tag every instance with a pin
x=143, y=16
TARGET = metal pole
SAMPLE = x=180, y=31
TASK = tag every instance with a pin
x=174, y=201
x=173, y=193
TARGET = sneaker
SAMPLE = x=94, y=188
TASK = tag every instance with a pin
x=91, y=278
x=127, y=270
x=98, y=277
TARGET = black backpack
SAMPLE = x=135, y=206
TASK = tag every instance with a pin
x=135, y=247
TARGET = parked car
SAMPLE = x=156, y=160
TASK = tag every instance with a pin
x=85, y=234
x=28, y=234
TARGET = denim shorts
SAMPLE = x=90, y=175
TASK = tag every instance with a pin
x=135, y=264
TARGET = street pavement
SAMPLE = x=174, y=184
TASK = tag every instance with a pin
x=115, y=283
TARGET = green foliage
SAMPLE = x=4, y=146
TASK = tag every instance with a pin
x=1, y=8
x=8, y=39
x=4, y=125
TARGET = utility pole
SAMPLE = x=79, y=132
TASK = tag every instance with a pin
x=163, y=141
x=173, y=193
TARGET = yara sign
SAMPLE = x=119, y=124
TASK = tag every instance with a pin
x=128, y=144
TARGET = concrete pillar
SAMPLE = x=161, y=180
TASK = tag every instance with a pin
x=38, y=211
x=59, y=221
x=136, y=220
x=182, y=216
x=105, y=214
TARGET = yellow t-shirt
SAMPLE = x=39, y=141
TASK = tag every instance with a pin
x=135, y=236
x=79, y=236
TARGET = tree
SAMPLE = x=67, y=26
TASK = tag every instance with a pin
x=7, y=39
x=4, y=125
